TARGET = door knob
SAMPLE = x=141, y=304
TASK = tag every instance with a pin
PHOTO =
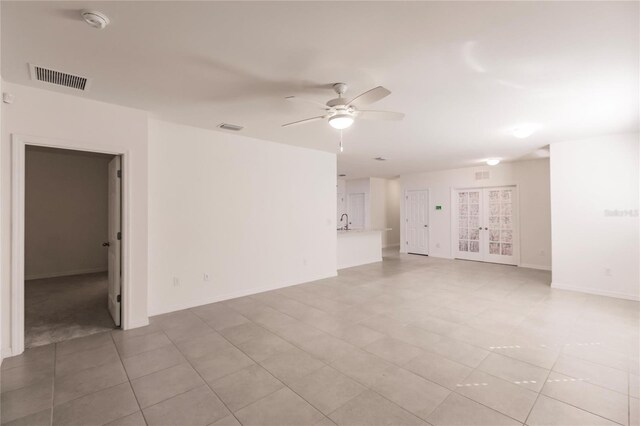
x=106, y=244
x=426, y=226
x=486, y=229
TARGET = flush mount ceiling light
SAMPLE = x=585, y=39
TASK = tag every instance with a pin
x=341, y=120
x=493, y=162
x=94, y=18
x=523, y=131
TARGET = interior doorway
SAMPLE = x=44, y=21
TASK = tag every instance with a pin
x=356, y=210
x=72, y=244
x=417, y=221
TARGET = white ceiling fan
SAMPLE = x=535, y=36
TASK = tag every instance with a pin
x=341, y=112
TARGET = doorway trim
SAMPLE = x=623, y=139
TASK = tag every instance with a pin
x=18, y=148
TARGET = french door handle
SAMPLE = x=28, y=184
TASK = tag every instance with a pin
x=105, y=244
x=486, y=229
x=426, y=226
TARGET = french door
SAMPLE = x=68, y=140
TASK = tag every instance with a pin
x=486, y=224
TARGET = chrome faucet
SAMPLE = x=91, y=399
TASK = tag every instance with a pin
x=346, y=228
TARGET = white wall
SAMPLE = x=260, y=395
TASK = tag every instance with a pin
x=392, y=238
x=532, y=178
x=90, y=125
x=378, y=205
x=594, y=251
x=66, y=212
x=254, y=215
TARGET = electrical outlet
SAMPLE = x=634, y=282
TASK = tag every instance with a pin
x=176, y=282
x=607, y=272
x=205, y=276
x=437, y=245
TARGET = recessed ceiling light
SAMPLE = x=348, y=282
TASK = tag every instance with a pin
x=341, y=121
x=493, y=162
x=94, y=18
x=523, y=131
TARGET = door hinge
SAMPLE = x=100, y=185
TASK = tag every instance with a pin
x=119, y=173
x=119, y=298
x=119, y=236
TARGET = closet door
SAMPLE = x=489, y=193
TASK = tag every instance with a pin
x=468, y=232
x=500, y=237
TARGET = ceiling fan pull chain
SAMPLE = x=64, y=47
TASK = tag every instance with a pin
x=341, y=147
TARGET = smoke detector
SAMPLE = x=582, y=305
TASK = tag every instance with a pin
x=96, y=19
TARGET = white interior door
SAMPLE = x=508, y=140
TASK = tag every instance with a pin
x=355, y=210
x=114, y=239
x=417, y=221
x=467, y=225
x=500, y=225
x=340, y=209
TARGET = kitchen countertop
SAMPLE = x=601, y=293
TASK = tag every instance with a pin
x=360, y=231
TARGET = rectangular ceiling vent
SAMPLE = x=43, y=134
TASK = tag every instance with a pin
x=482, y=175
x=232, y=127
x=59, y=78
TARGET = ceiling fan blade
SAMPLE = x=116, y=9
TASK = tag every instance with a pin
x=306, y=120
x=307, y=101
x=366, y=98
x=380, y=115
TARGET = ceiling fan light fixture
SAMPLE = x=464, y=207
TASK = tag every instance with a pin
x=493, y=161
x=341, y=121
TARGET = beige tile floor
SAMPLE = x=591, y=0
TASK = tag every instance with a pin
x=411, y=340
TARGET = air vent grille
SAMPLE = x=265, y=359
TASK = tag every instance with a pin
x=233, y=127
x=482, y=175
x=59, y=78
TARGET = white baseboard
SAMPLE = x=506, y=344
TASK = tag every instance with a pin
x=532, y=266
x=63, y=274
x=231, y=295
x=6, y=353
x=138, y=324
x=615, y=294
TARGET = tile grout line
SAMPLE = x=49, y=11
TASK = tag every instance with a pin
x=128, y=381
x=325, y=365
x=260, y=365
x=540, y=391
x=200, y=375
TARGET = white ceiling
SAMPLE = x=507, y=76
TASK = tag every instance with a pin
x=465, y=73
